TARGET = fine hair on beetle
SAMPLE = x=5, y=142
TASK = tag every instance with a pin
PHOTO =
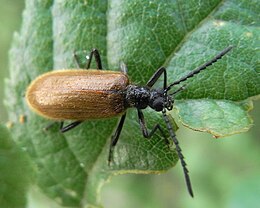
x=73, y=94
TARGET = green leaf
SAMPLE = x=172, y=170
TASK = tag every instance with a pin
x=15, y=174
x=72, y=167
x=218, y=117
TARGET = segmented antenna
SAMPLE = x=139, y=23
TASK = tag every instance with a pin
x=180, y=155
x=199, y=69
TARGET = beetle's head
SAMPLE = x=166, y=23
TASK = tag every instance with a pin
x=160, y=100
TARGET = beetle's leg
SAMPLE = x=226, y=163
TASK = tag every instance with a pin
x=115, y=138
x=123, y=67
x=97, y=59
x=156, y=76
x=69, y=126
x=144, y=129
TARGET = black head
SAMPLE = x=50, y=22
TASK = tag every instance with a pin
x=160, y=100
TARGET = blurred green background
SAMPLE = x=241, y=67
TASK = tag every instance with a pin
x=224, y=172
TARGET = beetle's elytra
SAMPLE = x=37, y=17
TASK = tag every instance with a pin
x=95, y=94
x=78, y=94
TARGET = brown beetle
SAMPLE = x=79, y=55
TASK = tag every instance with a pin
x=95, y=94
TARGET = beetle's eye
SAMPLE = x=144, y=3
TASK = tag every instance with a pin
x=158, y=104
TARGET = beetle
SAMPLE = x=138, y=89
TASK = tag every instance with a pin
x=80, y=95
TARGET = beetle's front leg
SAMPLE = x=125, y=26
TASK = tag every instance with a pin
x=144, y=129
x=156, y=76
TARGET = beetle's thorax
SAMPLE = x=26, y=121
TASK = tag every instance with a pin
x=141, y=97
x=137, y=96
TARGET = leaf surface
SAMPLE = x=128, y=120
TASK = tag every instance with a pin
x=72, y=167
x=15, y=174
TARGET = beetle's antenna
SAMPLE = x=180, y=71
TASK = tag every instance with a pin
x=178, y=90
x=180, y=155
x=199, y=69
